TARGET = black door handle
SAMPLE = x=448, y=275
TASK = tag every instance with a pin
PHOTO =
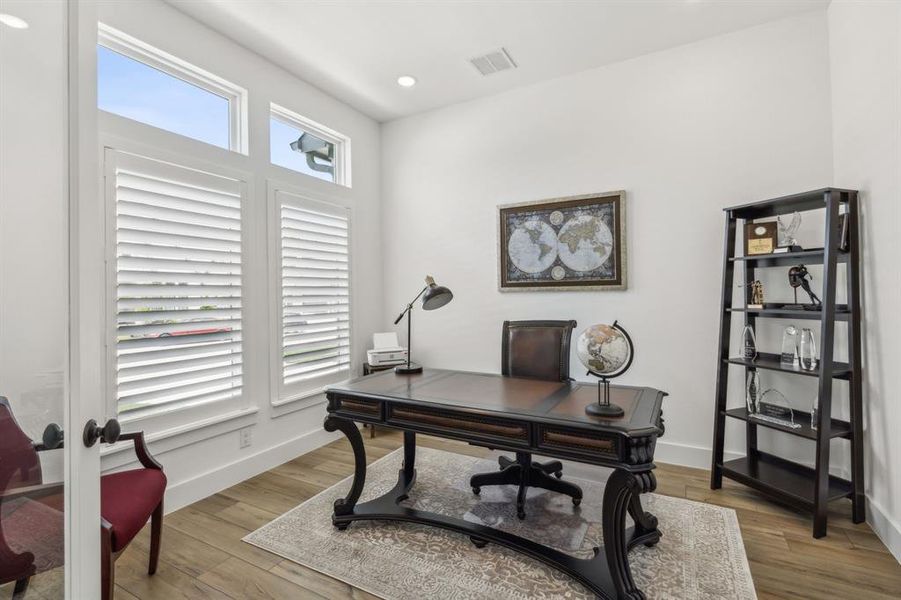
x=108, y=434
x=53, y=437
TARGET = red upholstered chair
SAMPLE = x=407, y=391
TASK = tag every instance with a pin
x=128, y=499
x=31, y=518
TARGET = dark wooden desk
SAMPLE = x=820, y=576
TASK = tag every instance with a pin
x=507, y=413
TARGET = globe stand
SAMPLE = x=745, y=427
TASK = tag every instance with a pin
x=603, y=408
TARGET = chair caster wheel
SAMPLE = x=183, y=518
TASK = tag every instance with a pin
x=577, y=501
x=478, y=542
x=476, y=490
x=558, y=474
x=342, y=526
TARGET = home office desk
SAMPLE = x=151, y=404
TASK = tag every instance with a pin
x=512, y=414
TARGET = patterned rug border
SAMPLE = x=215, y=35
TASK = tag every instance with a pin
x=730, y=513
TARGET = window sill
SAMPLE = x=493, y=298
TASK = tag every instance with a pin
x=166, y=440
x=284, y=406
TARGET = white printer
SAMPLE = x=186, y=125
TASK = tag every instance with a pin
x=385, y=350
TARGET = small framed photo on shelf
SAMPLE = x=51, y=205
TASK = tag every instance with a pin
x=760, y=238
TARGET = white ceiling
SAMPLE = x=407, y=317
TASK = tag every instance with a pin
x=355, y=50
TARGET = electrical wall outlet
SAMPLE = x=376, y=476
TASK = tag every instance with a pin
x=245, y=437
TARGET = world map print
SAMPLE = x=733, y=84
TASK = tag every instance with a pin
x=563, y=243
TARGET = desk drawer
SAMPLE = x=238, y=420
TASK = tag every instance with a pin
x=467, y=425
x=582, y=442
x=358, y=407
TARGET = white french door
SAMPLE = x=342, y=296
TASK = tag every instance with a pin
x=51, y=214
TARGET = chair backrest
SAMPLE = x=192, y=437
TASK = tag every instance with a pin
x=536, y=349
x=19, y=462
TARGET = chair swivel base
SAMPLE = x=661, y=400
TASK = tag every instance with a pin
x=524, y=473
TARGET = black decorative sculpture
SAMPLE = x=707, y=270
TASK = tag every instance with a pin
x=799, y=276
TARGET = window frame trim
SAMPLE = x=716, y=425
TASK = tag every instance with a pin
x=289, y=399
x=235, y=95
x=341, y=142
x=175, y=415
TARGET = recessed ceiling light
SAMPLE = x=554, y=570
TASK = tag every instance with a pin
x=12, y=21
x=406, y=81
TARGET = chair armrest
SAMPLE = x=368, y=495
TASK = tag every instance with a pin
x=31, y=491
x=141, y=450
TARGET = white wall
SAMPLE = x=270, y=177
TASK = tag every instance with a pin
x=865, y=61
x=213, y=459
x=685, y=132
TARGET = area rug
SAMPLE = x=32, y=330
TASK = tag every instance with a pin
x=700, y=556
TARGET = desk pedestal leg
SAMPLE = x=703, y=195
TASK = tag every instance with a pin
x=646, y=531
x=407, y=474
x=345, y=506
x=621, y=496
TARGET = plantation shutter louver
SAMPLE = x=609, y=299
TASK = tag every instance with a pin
x=178, y=292
x=315, y=309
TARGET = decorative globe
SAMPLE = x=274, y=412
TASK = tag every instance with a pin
x=605, y=350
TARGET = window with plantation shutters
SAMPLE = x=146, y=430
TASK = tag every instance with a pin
x=178, y=285
x=313, y=274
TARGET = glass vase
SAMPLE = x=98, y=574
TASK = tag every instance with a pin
x=789, y=356
x=814, y=413
x=808, y=351
x=748, y=343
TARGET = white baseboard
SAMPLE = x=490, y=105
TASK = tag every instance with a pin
x=885, y=527
x=211, y=482
x=685, y=455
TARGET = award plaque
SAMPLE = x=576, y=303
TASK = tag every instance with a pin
x=752, y=392
x=789, y=356
x=760, y=238
x=773, y=407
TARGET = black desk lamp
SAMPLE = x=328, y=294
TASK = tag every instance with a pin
x=433, y=296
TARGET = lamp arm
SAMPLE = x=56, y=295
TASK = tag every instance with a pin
x=401, y=315
x=409, y=306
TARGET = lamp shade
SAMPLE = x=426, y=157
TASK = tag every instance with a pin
x=435, y=296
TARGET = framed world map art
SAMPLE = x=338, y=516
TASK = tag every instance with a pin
x=575, y=243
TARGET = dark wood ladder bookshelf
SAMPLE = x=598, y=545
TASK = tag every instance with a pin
x=789, y=482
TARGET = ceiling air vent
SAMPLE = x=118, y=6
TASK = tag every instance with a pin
x=498, y=60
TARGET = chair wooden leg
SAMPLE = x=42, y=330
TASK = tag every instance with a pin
x=156, y=531
x=107, y=565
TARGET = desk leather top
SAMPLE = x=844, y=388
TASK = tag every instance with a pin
x=531, y=399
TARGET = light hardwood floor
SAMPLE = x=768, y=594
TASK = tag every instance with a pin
x=203, y=555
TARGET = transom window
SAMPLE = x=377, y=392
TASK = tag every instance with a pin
x=145, y=84
x=301, y=145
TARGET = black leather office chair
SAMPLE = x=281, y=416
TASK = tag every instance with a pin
x=536, y=350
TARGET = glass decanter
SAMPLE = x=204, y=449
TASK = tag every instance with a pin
x=807, y=352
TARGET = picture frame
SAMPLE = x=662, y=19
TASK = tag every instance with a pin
x=573, y=243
